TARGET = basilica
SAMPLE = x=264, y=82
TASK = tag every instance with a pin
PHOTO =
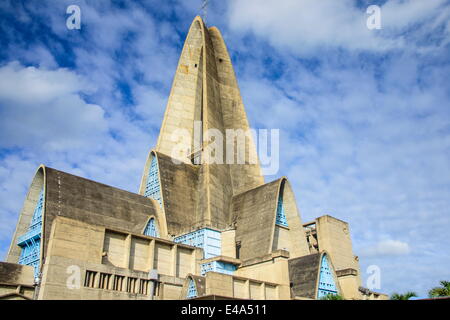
x=195, y=229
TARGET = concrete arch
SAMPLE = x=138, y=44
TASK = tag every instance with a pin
x=293, y=237
x=179, y=201
x=26, y=214
x=160, y=223
x=83, y=200
x=161, y=218
x=330, y=262
x=152, y=154
x=199, y=283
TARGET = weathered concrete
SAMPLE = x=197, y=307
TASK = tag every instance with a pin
x=97, y=230
x=16, y=281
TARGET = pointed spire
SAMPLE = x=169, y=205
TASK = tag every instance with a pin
x=205, y=98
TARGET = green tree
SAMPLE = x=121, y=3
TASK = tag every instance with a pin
x=442, y=291
x=332, y=297
x=405, y=296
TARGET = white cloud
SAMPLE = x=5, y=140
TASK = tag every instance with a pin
x=403, y=14
x=309, y=25
x=387, y=248
x=44, y=107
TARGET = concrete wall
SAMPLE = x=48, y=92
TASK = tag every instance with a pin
x=242, y=287
x=111, y=264
x=229, y=243
x=281, y=239
x=271, y=268
x=16, y=281
x=333, y=236
x=16, y=292
x=235, y=287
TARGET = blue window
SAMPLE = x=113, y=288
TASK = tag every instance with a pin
x=327, y=284
x=281, y=216
x=30, y=242
x=207, y=239
x=217, y=266
x=151, y=229
x=192, y=290
x=152, y=188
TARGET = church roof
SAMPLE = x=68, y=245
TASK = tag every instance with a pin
x=179, y=184
x=254, y=214
x=304, y=275
x=94, y=203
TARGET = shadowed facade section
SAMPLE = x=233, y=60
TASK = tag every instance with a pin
x=180, y=196
x=254, y=217
x=305, y=275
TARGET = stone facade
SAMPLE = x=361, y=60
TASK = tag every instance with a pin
x=195, y=229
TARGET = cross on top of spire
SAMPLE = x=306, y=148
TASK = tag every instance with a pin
x=205, y=9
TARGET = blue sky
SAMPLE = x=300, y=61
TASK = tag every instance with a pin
x=364, y=114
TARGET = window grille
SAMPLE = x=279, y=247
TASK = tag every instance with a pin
x=207, y=239
x=152, y=188
x=281, y=216
x=327, y=284
x=143, y=286
x=151, y=229
x=217, y=266
x=192, y=290
x=131, y=285
x=104, y=281
x=89, y=280
x=118, y=283
x=30, y=242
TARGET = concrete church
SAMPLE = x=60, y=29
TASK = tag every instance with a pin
x=195, y=230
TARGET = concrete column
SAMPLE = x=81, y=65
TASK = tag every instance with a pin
x=263, y=291
x=97, y=280
x=127, y=253
x=174, y=251
x=247, y=288
x=151, y=254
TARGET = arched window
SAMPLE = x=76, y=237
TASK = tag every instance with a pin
x=192, y=290
x=281, y=216
x=327, y=284
x=30, y=242
x=151, y=229
x=152, y=188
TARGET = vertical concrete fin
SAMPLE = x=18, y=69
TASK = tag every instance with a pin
x=235, y=117
x=184, y=105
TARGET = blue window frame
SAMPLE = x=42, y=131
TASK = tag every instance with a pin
x=30, y=242
x=207, y=239
x=152, y=188
x=327, y=284
x=151, y=229
x=217, y=266
x=281, y=216
x=192, y=289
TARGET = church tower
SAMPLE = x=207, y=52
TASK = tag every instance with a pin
x=205, y=103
